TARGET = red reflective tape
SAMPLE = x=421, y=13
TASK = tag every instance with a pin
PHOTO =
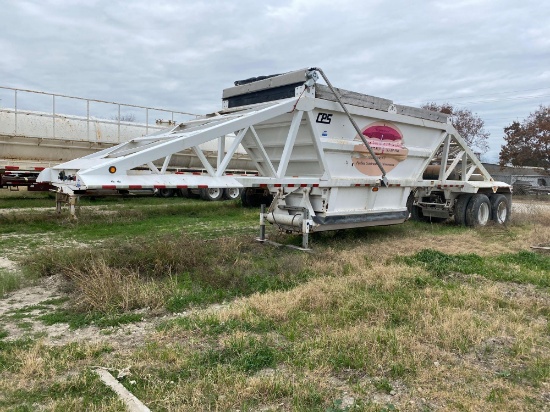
x=197, y=173
x=290, y=185
x=357, y=184
x=159, y=186
x=202, y=186
x=178, y=173
x=263, y=185
x=12, y=168
x=277, y=185
x=134, y=187
x=303, y=185
x=39, y=169
x=108, y=187
x=181, y=186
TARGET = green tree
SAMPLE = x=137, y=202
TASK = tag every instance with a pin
x=528, y=142
x=469, y=125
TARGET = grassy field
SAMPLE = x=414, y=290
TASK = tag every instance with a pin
x=176, y=293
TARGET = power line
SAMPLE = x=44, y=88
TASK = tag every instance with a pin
x=506, y=99
x=481, y=95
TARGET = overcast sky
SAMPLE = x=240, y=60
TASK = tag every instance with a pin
x=491, y=56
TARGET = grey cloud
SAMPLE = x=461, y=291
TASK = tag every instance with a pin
x=182, y=54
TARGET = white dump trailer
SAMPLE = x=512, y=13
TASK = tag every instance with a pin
x=331, y=159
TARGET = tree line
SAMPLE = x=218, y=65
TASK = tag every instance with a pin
x=527, y=143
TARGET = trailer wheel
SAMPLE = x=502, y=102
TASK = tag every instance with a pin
x=478, y=211
x=460, y=209
x=416, y=213
x=500, y=209
x=251, y=197
x=166, y=192
x=211, y=194
x=231, y=193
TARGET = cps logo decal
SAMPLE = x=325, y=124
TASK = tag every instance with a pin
x=324, y=118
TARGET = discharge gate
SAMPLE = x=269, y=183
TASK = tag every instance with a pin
x=331, y=158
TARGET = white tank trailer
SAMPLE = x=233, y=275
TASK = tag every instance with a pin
x=31, y=141
x=331, y=159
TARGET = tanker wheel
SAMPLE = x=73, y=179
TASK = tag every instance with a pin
x=500, y=209
x=231, y=193
x=478, y=211
x=460, y=209
x=211, y=194
x=166, y=192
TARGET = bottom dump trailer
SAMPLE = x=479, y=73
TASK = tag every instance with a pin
x=331, y=159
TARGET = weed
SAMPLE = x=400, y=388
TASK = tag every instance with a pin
x=24, y=325
x=210, y=325
x=9, y=281
x=497, y=395
x=245, y=353
x=534, y=373
x=55, y=301
x=383, y=385
x=86, y=389
x=521, y=267
x=28, y=309
x=77, y=320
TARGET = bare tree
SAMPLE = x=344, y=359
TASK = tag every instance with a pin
x=128, y=117
x=469, y=125
x=528, y=142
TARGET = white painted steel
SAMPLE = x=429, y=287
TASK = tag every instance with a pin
x=309, y=156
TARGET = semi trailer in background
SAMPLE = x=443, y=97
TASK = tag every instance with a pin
x=31, y=140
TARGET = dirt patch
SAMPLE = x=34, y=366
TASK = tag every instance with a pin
x=19, y=311
x=29, y=296
x=6, y=263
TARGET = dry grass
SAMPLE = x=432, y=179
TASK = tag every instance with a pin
x=102, y=288
x=364, y=330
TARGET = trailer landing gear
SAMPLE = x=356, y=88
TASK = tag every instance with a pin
x=305, y=231
x=66, y=199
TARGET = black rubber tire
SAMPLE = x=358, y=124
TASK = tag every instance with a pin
x=251, y=197
x=460, y=209
x=478, y=211
x=166, y=193
x=188, y=193
x=231, y=193
x=212, y=194
x=501, y=209
x=417, y=215
x=245, y=198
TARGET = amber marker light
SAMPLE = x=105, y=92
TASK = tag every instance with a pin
x=112, y=169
